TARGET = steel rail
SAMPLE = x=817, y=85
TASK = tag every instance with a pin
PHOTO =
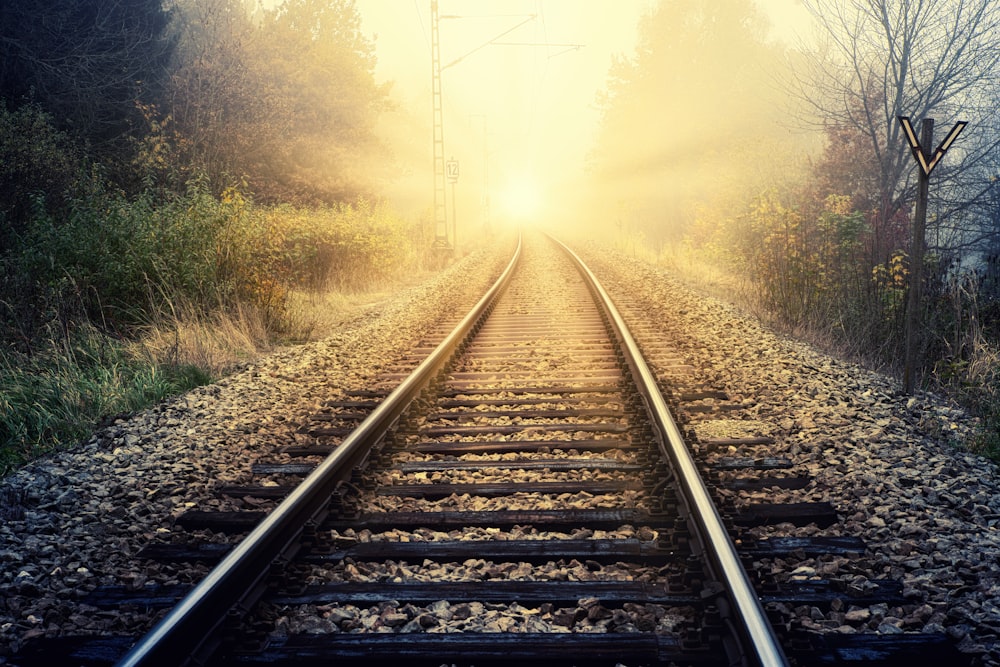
x=746, y=611
x=188, y=627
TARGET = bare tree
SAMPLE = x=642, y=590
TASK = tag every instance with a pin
x=84, y=61
x=918, y=58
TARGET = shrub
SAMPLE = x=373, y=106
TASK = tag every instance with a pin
x=346, y=247
x=117, y=261
x=38, y=167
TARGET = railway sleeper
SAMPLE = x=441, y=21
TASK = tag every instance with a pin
x=819, y=593
x=210, y=552
x=529, y=414
x=485, y=649
x=822, y=514
x=501, y=649
x=458, y=448
x=437, y=491
x=724, y=464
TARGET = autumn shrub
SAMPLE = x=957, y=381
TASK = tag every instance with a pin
x=776, y=247
x=811, y=269
x=221, y=251
x=345, y=247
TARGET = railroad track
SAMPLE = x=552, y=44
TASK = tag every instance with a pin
x=518, y=491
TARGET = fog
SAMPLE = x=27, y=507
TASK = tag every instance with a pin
x=523, y=114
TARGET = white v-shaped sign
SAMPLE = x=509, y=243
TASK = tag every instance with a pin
x=918, y=151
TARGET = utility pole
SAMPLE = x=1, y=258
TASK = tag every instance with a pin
x=926, y=160
x=441, y=239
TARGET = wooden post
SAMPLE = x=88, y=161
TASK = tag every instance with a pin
x=915, y=301
x=926, y=160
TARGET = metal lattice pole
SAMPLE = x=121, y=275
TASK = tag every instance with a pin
x=441, y=239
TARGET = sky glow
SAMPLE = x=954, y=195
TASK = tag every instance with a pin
x=525, y=105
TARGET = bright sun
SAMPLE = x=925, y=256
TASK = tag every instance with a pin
x=522, y=198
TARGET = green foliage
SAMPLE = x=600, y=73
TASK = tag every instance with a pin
x=59, y=393
x=345, y=247
x=38, y=167
x=118, y=261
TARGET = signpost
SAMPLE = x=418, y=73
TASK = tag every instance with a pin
x=451, y=168
x=927, y=160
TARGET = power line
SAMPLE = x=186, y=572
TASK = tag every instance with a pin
x=420, y=18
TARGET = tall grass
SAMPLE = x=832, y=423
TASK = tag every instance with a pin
x=215, y=342
x=61, y=391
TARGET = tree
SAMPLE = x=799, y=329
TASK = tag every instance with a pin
x=84, y=62
x=925, y=58
x=320, y=71
x=217, y=115
x=693, y=119
x=285, y=98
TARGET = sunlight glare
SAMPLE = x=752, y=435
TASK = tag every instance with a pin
x=522, y=198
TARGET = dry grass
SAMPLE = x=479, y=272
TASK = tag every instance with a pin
x=975, y=381
x=710, y=275
x=223, y=340
x=216, y=342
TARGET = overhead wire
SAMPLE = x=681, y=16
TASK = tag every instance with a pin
x=423, y=28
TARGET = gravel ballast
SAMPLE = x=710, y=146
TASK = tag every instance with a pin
x=889, y=463
x=82, y=515
x=892, y=465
